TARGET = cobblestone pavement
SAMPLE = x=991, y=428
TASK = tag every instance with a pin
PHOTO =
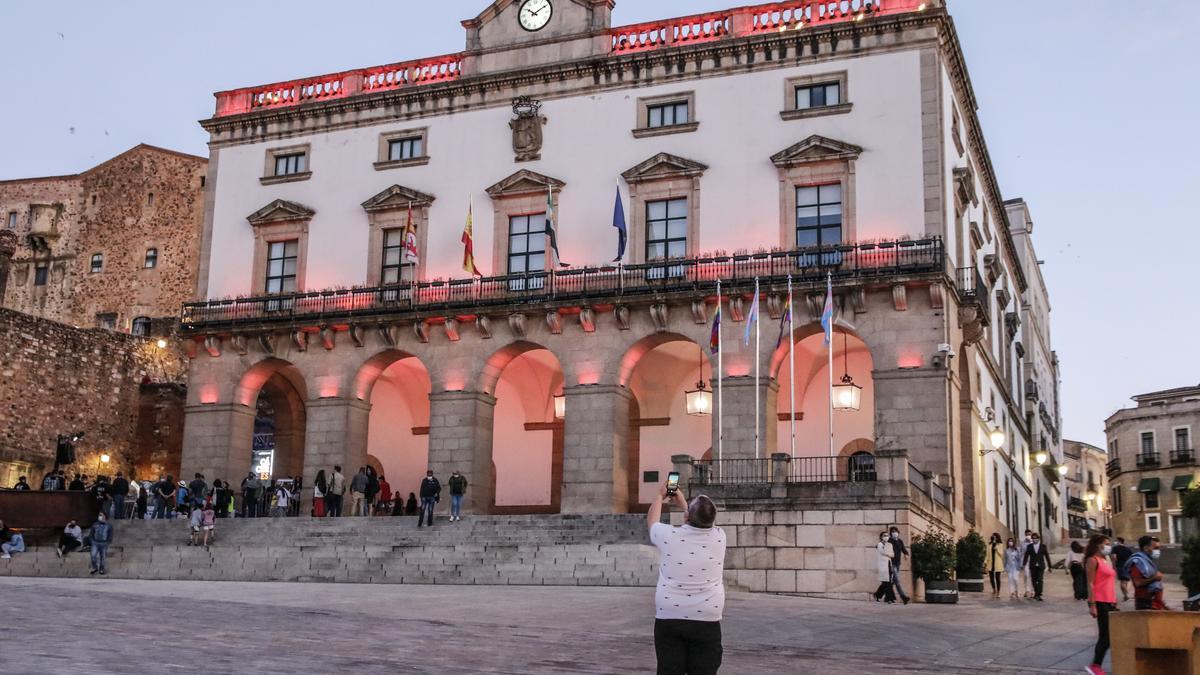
x=108, y=625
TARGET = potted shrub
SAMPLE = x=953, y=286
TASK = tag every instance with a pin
x=970, y=552
x=933, y=562
x=1189, y=573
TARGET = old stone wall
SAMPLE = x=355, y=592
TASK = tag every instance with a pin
x=146, y=198
x=57, y=379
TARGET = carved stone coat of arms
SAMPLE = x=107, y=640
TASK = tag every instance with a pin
x=527, y=129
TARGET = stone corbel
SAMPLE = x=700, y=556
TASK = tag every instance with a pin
x=775, y=305
x=858, y=300
x=240, y=344
x=587, y=320
x=451, y=327
x=300, y=340
x=937, y=297
x=700, y=312
x=328, y=338
x=622, y=315
x=816, y=305
x=554, y=322
x=737, y=308
x=389, y=333
x=357, y=335
x=900, y=297
x=970, y=319
x=484, y=326
x=212, y=344
x=516, y=324
x=659, y=315
x=266, y=342
x=421, y=330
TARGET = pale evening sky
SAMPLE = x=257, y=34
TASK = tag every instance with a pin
x=1087, y=108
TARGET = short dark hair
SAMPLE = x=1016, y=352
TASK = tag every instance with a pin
x=1145, y=540
x=894, y=529
x=702, y=512
x=1120, y=540
x=337, y=467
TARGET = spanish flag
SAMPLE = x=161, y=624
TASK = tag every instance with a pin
x=468, y=241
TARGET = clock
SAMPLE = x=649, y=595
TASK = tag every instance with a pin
x=535, y=14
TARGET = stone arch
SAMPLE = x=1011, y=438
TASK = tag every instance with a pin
x=371, y=370
x=396, y=384
x=274, y=390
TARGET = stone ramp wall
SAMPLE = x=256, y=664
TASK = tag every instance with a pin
x=606, y=551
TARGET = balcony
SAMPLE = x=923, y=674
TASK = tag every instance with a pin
x=1147, y=458
x=1113, y=467
x=1077, y=504
x=806, y=267
x=972, y=291
x=779, y=17
x=1183, y=456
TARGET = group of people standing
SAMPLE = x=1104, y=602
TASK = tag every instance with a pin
x=369, y=493
x=1025, y=565
x=1104, y=565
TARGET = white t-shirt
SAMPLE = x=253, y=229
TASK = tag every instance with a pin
x=690, y=584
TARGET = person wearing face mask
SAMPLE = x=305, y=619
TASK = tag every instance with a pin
x=1142, y=568
x=898, y=553
x=1102, y=594
x=1037, y=559
x=100, y=536
x=884, y=556
x=1025, y=576
x=1012, y=565
x=995, y=562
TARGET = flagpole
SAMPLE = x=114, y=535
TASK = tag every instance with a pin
x=757, y=342
x=829, y=294
x=720, y=379
x=792, y=364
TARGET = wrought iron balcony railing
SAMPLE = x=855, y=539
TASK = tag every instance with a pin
x=972, y=290
x=799, y=470
x=1113, y=467
x=1183, y=456
x=1147, y=458
x=805, y=266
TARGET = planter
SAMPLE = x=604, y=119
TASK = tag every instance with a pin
x=941, y=592
x=970, y=585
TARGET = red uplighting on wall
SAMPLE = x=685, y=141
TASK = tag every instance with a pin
x=456, y=382
x=328, y=386
x=588, y=376
x=209, y=394
x=909, y=361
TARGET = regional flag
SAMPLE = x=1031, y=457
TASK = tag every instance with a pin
x=714, y=339
x=411, y=254
x=751, y=319
x=468, y=241
x=619, y=223
x=827, y=315
x=550, y=233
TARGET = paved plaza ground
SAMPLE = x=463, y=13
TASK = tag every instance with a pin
x=109, y=625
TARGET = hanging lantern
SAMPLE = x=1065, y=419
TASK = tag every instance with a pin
x=560, y=407
x=997, y=437
x=699, y=401
x=1041, y=457
x=847, y=395
x=1062, y=469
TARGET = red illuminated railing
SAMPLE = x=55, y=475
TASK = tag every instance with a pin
x=807, y=266
x=643, y=37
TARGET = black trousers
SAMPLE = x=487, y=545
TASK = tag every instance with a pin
x=1037, y=576
x=687, y=647
x=1079, y=581
x=1102, y=610
x=995, y=579
x=885, y=591
x=333, y=506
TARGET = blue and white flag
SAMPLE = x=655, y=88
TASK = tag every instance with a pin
x=827, y=315
x=619, y=223
x=751, y=318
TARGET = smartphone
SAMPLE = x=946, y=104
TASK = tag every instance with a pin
x=672, y=483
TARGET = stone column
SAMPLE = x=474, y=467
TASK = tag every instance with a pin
x=460, y=437
x=217, y=441
x=8, y=246
x=738, y=418
x=596, y=450
x=335, y=433
x=912, y=411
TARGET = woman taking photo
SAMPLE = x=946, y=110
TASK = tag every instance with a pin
x=1012, y=565
x=995, y=563
x=1102, y=594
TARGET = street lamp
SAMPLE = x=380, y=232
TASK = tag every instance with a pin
x=1062, y=469
x=699, y=401
x=162, y=344
x=560, y=407
x=104, y=459
x=1041, y=457
x=847, y=395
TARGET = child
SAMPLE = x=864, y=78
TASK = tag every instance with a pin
x=281, y=501
x=194, y=524
x=209, y=522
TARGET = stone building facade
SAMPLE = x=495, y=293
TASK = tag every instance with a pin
x=1152, y=458
x=116, y=246
x=565, y=388
x=1087, y=488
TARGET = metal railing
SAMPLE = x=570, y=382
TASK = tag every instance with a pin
x=973, y=290
x=1148, y=458
x=805, y=266
x=1113, y=467
x=1183, y=456
x=799, y=470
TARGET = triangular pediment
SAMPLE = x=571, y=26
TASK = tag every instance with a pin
x=664, y=165
x=816, y=149
x=280, y=211
x=397, y=197
x=524, y=182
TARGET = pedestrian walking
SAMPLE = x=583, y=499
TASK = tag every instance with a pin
x=1121, y=554
x=898, y=553
x=320, y=485
x=208, y=523
x=120, y=492
x=251, y=486
x=358, y=491
x=431, y=493
x=1075, y=569
x=194, y=522
x=100, y=537
x=70, y=540
x=458, y=489
x=1102, y=595
x=1012, y=565
x=1142, y=570
x=995, y=562
x=689, y=599
x=884, y=553
x=1037, y=559
x=337, y=489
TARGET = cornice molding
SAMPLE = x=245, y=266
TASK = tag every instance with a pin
x=281, y=211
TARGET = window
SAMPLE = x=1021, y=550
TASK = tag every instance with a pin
x=819, y=216
x=150, y=199
x=288, y=165
x=1183, y=439
x=1147, y=442
x=667, y=115
x=818, y=95
x=40, y=273
x=1115, y=500
x=395, y=270
x=12, y=220
x=107, y=321
x=527, y=243
x=97, y=263
x=141, y=326
x=1150, y=500
x=281, y=266
x=405, y=148
x=1153, y=523
x=151, y=260
x=862, y=467
x=666, y=229
x=1112, y=448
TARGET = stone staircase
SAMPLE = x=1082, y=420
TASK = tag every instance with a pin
x=515, y=550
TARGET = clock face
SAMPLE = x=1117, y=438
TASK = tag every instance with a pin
x=535, y=14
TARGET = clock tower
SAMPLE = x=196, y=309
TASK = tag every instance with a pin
x=512, y=34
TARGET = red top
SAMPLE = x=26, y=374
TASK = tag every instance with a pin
x=1104, y=583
